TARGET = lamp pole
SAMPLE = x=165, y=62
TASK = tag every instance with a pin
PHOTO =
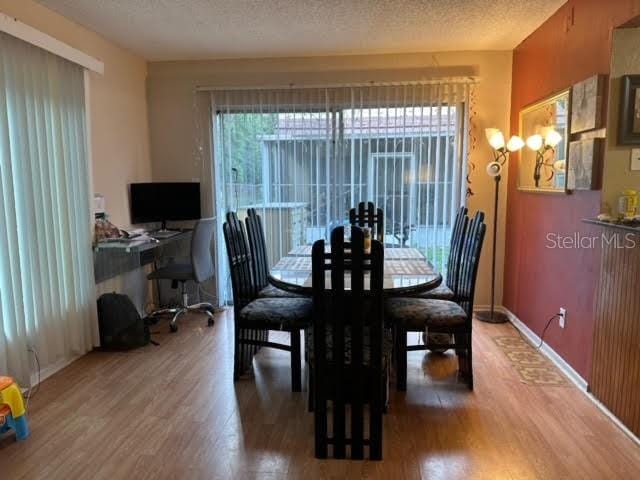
x=501, y=153
x=495, y=237
x=495, y=169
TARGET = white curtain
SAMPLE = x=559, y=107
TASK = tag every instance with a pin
x=304, y=156
x=47, y=289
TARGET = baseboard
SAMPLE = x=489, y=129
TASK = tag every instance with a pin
x=562, y=365
x=51, y=369
x=549, y=352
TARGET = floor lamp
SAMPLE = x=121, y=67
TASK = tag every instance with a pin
x=501, y=153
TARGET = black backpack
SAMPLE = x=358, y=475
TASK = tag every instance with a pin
x=121, y=327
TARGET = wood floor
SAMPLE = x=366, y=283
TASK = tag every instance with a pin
x=173, y=412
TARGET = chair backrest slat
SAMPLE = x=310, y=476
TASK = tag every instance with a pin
x=455, y=249
x=366, y=215
x=470, y=260
x=258, y=247
x=240, y=263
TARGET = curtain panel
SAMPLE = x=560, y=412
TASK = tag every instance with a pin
x=47, y=289
x=304, y=156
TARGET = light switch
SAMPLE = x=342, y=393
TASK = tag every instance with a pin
x=635, y=159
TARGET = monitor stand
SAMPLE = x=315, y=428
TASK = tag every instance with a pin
x=164, y=232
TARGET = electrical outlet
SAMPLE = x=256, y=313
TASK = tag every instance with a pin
x=562, y=314
x=635, y=159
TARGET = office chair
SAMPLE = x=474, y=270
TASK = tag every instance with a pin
x=198, y=270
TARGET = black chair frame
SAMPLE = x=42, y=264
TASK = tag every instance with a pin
x=248, y=341
x=352, y=384
x=462, y=341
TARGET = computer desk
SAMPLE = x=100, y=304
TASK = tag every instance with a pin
x=114, y=260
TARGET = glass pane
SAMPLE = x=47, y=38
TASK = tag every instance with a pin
x=304, y=170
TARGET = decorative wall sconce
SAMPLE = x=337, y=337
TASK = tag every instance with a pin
x=541, y=145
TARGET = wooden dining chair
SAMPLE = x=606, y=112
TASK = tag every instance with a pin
x=347, y=363
x=254, y=317
x=447, y=290
x=366, y=215
x=260, y=258
x=441, y=316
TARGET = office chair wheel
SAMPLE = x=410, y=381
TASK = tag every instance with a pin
x=210, y=322
x=173, y=328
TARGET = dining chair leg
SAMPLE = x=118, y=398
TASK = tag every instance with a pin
x=310, y=390
x=465, y=359
x=243, y=351
x=401, y=359
x=470, y=365
x=296, y=370
x=236, y=354
x=387, y=386
x=375, y=420
x=256, y=348
x=459, y=350
x=248, y=352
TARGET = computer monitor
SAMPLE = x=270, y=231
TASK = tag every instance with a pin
x=160, y=202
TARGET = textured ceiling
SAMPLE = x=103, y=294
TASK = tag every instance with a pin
x=196, y=29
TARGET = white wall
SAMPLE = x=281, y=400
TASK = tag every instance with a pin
x=179, y=118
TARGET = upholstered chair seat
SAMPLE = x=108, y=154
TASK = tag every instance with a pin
x=277, y=313
x=442, y=292
x=274, y=292
x=414, y=314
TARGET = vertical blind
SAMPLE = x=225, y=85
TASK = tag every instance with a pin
x=303, y=157
x=47, y=290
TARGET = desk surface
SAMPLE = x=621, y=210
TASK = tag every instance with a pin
x=140, y=245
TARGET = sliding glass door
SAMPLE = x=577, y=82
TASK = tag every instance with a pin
x=304, y=157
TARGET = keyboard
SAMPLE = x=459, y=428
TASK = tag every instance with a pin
x=162, y=234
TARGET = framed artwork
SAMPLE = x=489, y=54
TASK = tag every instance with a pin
x=629, y=127
x=584, y=163
x=586, y=104
x=550, y=176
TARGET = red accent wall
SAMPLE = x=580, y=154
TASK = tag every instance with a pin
x=570, y=46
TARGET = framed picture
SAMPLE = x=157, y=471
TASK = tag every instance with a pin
x=586, y=104
x=584, y=164
x=550, y=175
x=629, y=128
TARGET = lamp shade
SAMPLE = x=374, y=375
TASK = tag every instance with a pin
x=552, y=138
x=495, y=138
x=534, y=142
x=515, y=143
x=494, y=169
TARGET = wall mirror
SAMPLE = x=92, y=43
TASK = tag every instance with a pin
x=545, y=170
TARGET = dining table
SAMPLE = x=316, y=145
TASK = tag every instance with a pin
x=406, y=272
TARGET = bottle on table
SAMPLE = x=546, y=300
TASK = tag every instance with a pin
x=367, y=239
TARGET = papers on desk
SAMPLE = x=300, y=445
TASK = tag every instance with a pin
x=125, y=243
